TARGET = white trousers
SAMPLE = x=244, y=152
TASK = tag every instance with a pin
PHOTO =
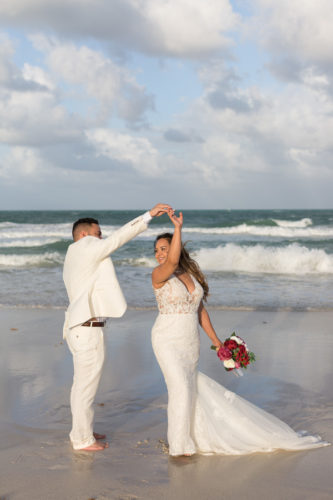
x=87, y=347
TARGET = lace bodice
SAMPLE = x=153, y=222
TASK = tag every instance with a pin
x=174, y=298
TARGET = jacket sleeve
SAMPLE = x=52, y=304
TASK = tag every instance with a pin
x=103, y=248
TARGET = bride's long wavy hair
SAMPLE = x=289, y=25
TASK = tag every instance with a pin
x=187, y=264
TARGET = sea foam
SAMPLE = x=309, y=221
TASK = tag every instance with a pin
x=27, y=242
x=41, y=260
x=21, y=234
x=292, y=259
x=252, y=230
x=297, y=223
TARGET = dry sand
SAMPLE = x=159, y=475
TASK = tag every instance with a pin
x=292, y=378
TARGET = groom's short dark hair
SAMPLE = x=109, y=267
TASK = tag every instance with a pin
x=86, y=221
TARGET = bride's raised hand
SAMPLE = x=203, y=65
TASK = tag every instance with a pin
x=176, y=221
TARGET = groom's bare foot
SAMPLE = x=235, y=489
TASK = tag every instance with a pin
x=95, y=447
x=99, y=436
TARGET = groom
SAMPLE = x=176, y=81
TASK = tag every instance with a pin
x=94, y=294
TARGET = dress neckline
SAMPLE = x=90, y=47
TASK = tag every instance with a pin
x=182, y=282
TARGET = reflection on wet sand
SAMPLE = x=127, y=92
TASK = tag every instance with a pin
x=35, y=380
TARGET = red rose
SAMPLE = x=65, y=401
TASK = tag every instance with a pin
x=242, y=349
x=230, y=344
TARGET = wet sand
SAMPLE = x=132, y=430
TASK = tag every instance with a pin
x=292, y=378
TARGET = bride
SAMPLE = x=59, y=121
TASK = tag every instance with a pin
x=203, y=416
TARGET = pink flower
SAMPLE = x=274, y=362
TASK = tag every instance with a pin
x=224, y=353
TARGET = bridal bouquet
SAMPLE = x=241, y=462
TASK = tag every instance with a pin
x=234, y=353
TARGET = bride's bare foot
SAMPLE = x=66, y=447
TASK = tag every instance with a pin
x=99, y=436
x=95, y=447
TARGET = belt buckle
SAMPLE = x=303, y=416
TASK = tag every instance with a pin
x=94, y=323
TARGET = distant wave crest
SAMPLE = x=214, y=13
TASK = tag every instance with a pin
x=42, y=260
x=28, y=242
x=279, y=231
x=25, y=235
x=297, y=223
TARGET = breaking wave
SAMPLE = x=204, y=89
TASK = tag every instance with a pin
x=252, y=230
x=42, y=260
x=297, y=223
x=34, y=235
x=292, y=259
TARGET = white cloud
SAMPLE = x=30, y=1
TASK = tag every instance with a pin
x=34, y=100
x=298, y=35
x=250, y=131
x=126, y=149
x=22, y=161
x=187, y=28
x=64, y=112
x=10, y=76
x=35, y=118
x=30, y=110
x=302, y=28
x=37, y=75
x=111, y=86
x=6, y=52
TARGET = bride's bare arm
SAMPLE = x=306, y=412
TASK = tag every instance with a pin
x=207, y=326
x=162, y=272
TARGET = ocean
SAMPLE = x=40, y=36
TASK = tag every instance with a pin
x=253, y=259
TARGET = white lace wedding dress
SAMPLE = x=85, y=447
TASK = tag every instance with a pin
x=203, y=416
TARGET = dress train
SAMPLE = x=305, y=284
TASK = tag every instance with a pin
x=228, y=424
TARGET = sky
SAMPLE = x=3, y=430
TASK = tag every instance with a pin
x=203, y=104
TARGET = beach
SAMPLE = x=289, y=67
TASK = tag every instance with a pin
x=291, y=379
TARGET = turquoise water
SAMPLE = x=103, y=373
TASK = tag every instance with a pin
x=274, y=259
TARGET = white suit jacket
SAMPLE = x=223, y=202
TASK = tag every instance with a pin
x=90, y=279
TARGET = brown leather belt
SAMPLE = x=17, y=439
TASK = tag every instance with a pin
x=93, y=323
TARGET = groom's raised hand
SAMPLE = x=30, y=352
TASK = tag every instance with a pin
x=160, y=209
